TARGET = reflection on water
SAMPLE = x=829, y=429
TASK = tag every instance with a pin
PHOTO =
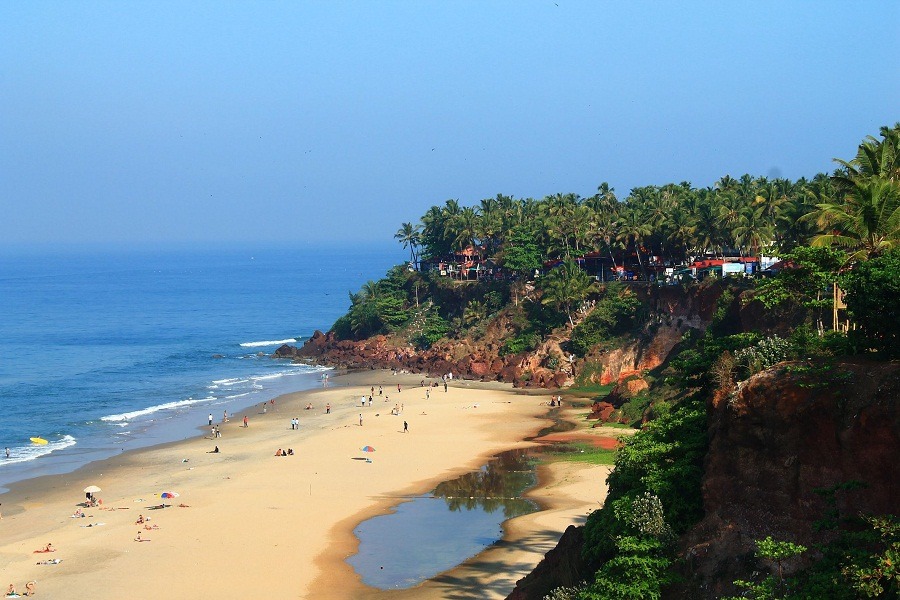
x=422, y=538
x=497, y=486
x=559, y=425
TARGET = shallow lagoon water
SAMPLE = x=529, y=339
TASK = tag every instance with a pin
x=432, y=533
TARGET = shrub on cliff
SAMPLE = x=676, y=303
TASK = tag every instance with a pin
x=378, y=307
x=433, y=328
x=654, y=492
x=872, y=292
x=565, y=287
x=762, y=355
x=616, y=312
x=805, y=282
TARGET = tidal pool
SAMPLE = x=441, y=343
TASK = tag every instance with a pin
x=432, y=533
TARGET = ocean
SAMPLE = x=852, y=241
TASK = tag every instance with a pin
x=107, y=350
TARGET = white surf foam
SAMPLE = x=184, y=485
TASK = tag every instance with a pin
x=267, y=377
x=21, y=454
x=268, y=343
x=231, y=381
x=152, y=409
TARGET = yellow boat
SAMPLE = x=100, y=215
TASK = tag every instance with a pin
x=40, y=441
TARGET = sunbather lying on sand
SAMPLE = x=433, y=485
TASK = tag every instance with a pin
x=48, y=548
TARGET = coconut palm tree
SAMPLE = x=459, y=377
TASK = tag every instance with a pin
x=408, y=235
x=866, y=222
x=633, y=227
x=565, y=286
x=605, y=234
x=752, y=230
x=874, y=158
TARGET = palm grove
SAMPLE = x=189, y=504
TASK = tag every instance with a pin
x=832, y=222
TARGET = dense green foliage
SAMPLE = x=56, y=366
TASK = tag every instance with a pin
x=656, y=481
x=565, y=286
x=378, y=307
x=856, y=209
x=617, y=311
x=873, y=301
x=806, y=281
x=522, y=253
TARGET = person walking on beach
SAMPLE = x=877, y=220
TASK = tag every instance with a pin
x=427, y=393
x=379, y=390
x=445, y=386
x=328, y=408
x=360, y=419
x=405, y=427
x=210, y=418
x=7, y=452
x=225, y=416
x=398, y=388
x=246, y=421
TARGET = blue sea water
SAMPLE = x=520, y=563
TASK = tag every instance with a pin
x=106, y=350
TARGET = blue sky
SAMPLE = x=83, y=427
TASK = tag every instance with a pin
x=171, y=122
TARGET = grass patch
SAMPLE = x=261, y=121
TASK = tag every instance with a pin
x=618, y=425
x=587, y=453
x=591, y=389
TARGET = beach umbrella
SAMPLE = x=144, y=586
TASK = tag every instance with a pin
x=91, y=489
x=368, y=449
x=169, y=495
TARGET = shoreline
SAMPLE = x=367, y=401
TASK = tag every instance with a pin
x=293, y=513
x=166, y=426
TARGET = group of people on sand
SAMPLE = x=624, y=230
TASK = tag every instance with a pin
x=29, y=590
x=288, y=452
x=143, y=521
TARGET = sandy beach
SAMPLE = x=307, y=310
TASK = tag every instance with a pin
x=249, y=523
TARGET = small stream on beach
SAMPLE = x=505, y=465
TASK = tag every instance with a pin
x=432, y=533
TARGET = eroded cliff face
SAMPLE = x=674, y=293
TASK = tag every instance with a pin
x=673, y=310
x=776, y=442
x=783, y=435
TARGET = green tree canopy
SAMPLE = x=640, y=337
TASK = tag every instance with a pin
x=873, y=301
x=565, y=286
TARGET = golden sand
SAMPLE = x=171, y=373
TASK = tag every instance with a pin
x=254, y=524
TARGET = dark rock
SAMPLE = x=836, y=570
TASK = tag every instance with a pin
x=773, y=444
x=562, y=566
